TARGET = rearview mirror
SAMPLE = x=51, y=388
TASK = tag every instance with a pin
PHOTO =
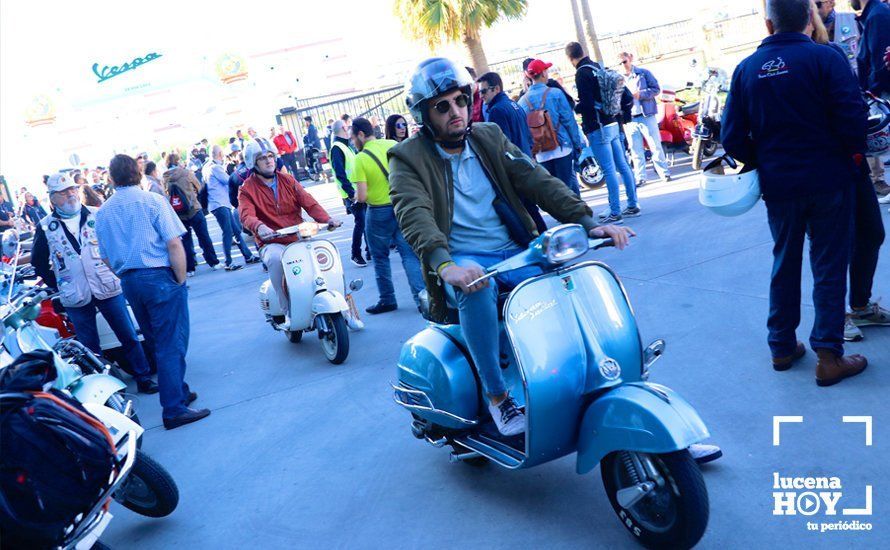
x=651, y=354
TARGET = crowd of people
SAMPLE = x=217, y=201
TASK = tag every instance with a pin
x=452, y=196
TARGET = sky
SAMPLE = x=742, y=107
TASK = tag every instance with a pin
x=292, y=48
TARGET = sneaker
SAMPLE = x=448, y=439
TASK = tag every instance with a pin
x=234, y=267
x=213, y=267
x=507, y=417
x=190, y=274
x=381, y=308
x=612, y=219
x=702, y=454
x=631, y=212
x=882, y=189
x=884, y=199
x=641, y=183
x=252, y=260
x=359, y=261
x=873, y=314
x=604, y=213
x=851, y=331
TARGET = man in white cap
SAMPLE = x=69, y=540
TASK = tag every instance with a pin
x=66, y=255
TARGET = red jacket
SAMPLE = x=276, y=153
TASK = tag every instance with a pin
x=257, y=205
x=281, y=143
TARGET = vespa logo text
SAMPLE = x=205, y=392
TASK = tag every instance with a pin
x=110, y=72
x=532, y=312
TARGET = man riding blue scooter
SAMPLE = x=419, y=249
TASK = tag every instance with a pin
x=457, y=193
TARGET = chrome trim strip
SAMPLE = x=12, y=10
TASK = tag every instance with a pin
x=428, y=408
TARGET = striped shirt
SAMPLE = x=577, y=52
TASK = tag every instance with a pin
x=133, y=228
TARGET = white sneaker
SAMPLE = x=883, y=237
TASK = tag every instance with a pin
x=507, y=417
x=702, y=454
x=884, y=200
x=605, y=213
x=852, y=333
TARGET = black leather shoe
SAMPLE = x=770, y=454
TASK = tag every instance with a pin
x=191, y=398
x=147, y=386
x=186, y=418
x=381, y=308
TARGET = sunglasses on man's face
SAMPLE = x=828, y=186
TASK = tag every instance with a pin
x=484, y=91
x=444, y=106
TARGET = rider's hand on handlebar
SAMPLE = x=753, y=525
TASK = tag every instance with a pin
x=620, y=235
x=265, y=233
x=461, y=277
x=334, y=224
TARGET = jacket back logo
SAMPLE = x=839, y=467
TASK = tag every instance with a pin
x=773, y=67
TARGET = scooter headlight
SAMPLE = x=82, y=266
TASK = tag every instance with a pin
x=564, y=243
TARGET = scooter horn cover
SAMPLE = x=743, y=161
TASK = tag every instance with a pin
x=728, y=193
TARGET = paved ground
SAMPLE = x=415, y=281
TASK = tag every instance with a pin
x=302, y=454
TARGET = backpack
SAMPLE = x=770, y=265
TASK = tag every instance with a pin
x=540, y=125
x=178, y=200
x=611, y=87
x=55, y=458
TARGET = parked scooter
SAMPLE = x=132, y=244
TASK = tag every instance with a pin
x=316, y=293
x=676, y=125
x=706, y=135
x=574, y=361
x=21, y=335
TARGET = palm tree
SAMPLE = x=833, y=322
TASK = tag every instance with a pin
x=591, y=32
x=579, y=28
x=442, y=21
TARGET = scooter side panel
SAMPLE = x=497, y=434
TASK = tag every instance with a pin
x=562, y=327
x=641, y=417
x=432, y=363
x=96, y=388
x=299, y=274
x=329, y=262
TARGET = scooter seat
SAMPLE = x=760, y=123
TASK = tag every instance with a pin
x=452, y=317
x=689, y=108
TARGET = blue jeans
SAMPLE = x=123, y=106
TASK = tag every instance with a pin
x=605, y=144
x=564, y=169
x=359, y=211
x=646, y=128
x=231, y=227
x=199, y=223
x=161, y=308
x=478, y=314
x=827, y=220
x=382, y=229
x=115, y=312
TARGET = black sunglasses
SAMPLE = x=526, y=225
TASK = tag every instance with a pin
x=445, y=105
x=483, y=91
x=401, y=125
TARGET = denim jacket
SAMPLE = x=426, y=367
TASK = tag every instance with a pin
x=560, y=113
x=649, y=90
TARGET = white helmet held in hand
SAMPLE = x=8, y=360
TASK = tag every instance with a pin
x=728, y=194
x=255, y=148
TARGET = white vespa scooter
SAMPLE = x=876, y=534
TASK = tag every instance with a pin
x=316, y=293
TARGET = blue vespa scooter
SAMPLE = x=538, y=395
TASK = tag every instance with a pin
x=575, y=362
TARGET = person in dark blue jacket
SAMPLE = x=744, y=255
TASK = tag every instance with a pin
x=796, y=113
x=511, y=119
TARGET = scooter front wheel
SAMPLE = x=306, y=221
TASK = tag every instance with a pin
x=149, y=489
x=666, y=510
x=335, y=338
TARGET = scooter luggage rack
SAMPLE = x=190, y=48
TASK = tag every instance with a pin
x=95, y=516
x=403, y=389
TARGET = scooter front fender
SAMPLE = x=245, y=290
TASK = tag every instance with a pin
x=118, y=423
x=642, y=417
x=96, y=388
x=328, y=301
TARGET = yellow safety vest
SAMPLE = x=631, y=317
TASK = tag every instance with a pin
x=349, y=162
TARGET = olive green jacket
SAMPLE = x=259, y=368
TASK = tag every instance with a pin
x=421, y=187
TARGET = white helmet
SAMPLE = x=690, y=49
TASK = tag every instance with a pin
x=255, y=148
x=728, y=194
x=878, y=133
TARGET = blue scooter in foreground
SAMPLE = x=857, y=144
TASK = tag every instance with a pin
x=574, y=360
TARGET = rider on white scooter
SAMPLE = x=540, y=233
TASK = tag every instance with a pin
x=461, y=221
x=270, y=200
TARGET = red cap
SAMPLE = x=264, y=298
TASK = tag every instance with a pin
x=537, y=67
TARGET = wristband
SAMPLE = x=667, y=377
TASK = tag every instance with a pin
x=442, y=266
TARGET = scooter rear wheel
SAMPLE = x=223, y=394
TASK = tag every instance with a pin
x=673, y=515
x=294, y=336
